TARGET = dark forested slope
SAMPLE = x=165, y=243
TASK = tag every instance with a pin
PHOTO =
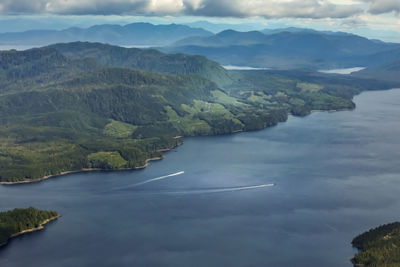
x=19, y=221
x=378, y=247
x=146, y=59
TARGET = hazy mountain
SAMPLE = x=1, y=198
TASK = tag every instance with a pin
x=387, y=71
x=225, y=38
x=130, y=34
x=297, y=49
x=382, y=58
x=219, y=27
x=301, y=30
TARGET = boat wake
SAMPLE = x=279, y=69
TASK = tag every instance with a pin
x=191, y=191
x=219, y=190
x=151, y=180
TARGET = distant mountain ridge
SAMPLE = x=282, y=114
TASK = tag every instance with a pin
x=304, y=30
x=225, y=38
x=131, y=34
x=286, y=49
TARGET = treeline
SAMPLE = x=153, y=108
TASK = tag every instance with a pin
x=378, y=247
x=146, y=59
x=30, y=161
x=18, y=220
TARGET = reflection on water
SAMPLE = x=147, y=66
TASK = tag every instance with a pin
x=17, y=47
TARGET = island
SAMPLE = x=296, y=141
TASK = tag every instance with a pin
x=21, y=221
x=378, y=247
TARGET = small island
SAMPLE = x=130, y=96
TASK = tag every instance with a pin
x=20, y=221
x=378, y=247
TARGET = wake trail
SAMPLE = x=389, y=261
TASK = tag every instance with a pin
x=220, y=190
x=150, y=180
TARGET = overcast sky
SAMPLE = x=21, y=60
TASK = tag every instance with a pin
x=373, y=18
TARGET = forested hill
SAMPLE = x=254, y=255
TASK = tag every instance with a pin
x=83, y=106
x=30, y=69
x=19, y=221
x=146, y=59
x=378, y=247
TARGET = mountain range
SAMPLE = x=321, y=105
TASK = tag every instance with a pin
x=137, y=34
x=288, y=49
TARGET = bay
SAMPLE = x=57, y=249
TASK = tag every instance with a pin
x=210, y=202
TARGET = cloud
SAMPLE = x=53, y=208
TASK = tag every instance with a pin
x=210, y=8
x=22, y=6
x=352, y=23
x=384, y=6
x=73, y=7
x=276, y=9
x=94, y=7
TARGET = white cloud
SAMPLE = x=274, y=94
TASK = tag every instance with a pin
x=214, y=8
x=165, y=6
x=275, y=8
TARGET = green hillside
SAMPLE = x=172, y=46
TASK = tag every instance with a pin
x=79, y=106
x=18, y=221
x=146, y=59
x=378, y=247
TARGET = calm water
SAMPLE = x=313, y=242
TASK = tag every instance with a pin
x=336, y=175
x=232, y=67
x=17, y=47
x=343, y=71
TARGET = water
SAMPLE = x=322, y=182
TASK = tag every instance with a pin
x=232, y=67
x=343, y=71
x=18, y=47
x=331, y=176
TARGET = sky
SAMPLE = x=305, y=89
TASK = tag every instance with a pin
x=378, y=19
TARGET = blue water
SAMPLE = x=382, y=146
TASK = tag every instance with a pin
x=335, y=174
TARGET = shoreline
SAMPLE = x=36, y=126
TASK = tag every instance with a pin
x=331, y=110
x=31, y=230
x=28, y=181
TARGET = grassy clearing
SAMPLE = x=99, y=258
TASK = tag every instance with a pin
x=119, y=129
x=106, y=160
x=309, y=87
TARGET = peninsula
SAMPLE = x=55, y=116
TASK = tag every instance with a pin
x=21, y=221
x=378, y=247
